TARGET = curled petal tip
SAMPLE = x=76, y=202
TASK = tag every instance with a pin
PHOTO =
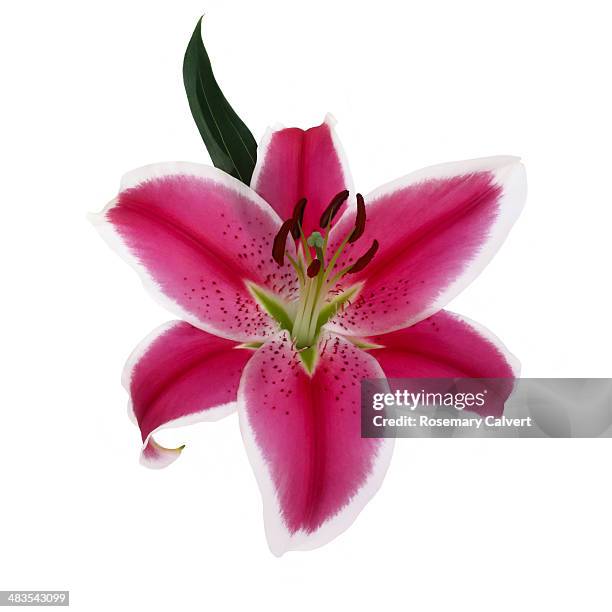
x=156, y=456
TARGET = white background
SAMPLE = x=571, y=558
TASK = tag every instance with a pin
x=92, y=90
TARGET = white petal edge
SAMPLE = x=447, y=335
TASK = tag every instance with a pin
x=280, y=540
x=488, y=335
x=111, y=236
x=509, y=173
x=165, y=456
x=262, y=152
x=330, y=121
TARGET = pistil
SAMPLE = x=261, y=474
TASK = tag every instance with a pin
x=314, y=273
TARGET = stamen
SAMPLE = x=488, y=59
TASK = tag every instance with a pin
x=334, y=206
x=280, y=240
x=365, y=259
x=316, y=296
x=313, y=268
x=298, y=217
x=360, y=220
x=298, y=269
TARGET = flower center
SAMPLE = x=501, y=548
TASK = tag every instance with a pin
x=319, y=299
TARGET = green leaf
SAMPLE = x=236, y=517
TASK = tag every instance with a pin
x=230, y=144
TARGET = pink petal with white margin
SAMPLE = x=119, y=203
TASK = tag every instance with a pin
x=180, y=375
x=303, y=438
x=294, y=164
x=195, y=235
x=447, y=345
x=437, y=229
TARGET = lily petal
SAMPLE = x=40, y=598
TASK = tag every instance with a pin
x=303, y=438
x=294, y=164
x=195, y=235
x=180, y=375
x=437, y=229
x=447, y=345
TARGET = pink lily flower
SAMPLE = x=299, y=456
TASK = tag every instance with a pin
x=287, y=304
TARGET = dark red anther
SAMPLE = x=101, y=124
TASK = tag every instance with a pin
x=313, y=268
x=298, y=217
x=334, y=206
x=360, y=220
x=365, y=259
x=280, y=241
